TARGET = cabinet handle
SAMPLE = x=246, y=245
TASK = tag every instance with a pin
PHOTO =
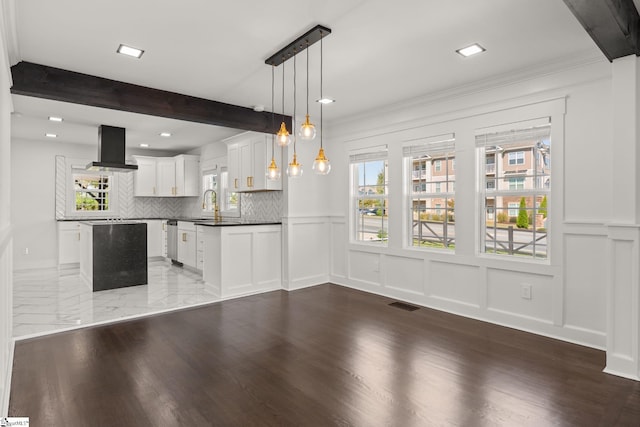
x=173, y=190
x=235, y=183
x=184, y=237
x=249, y=181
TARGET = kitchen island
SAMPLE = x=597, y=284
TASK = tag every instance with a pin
x=113, y=254
x=242, y=258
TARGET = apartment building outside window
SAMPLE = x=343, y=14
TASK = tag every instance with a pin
x=431, y=194
x=515, y=186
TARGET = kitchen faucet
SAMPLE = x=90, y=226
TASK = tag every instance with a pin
x=216, y=210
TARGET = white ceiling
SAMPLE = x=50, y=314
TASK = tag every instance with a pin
x=379, y=53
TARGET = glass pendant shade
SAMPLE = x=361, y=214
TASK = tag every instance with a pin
x=295, y=169
x=322, y=165
x=273, y=172
x=283, y=137
x=307, y=130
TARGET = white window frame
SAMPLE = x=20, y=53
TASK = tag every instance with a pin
x=419, y=233
x=503, y=140
x=78, y=166
x=515, y=158
x=217, y=167
x=357, y=218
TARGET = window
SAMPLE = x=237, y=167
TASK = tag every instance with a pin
x=516, y=183
x=514, y=217
x=370, y=197
x=516, y=158
x=431, y=212
x=218, y=181
x=513, y=209
x=92, y=191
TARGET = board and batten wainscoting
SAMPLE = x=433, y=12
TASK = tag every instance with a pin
x=586, y=292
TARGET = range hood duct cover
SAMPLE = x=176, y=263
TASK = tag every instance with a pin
x=111, y=146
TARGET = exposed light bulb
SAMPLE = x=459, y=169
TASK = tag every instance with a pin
x=295, y=169
x=283, y=136
x=322, y=165
x=307, y=130
x=273, y=172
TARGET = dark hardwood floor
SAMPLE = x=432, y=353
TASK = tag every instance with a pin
x=320, y=356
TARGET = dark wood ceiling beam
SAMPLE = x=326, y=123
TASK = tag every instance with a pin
x=613, y=24
x=68, y=86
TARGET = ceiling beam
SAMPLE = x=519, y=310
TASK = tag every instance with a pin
x=57, y=84
x=613, y=24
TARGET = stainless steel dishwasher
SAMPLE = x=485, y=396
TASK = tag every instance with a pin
x=172, y=240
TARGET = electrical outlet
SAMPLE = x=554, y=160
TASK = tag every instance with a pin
x=525, y=291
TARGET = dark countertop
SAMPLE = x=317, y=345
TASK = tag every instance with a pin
x=228, y=223
x=209, y=222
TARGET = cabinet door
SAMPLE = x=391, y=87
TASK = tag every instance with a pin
x=261, y=155
x=144, y=179
x=166, y=176
x=187, y=176
x=246, y=166
x=68, y=242
x=154, y=238
x=233, y=168
x=187, y=247
x=165, y=236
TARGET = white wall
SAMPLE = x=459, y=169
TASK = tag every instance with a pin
x=569, y=291
x=33, y=199
x=6, y=278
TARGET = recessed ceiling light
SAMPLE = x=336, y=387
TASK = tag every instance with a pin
x=50, y=135
x=165, y=134
x=326, y=101
x=55, y=119
x=130, y=51
x=144, y=145
x=471, y=50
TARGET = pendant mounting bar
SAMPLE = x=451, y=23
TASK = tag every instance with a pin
x=298, y=45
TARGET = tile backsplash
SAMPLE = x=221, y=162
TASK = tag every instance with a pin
x=261, y=206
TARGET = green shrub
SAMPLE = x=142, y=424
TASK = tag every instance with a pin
x=523, y=218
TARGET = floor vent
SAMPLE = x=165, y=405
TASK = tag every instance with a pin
x=404, y=306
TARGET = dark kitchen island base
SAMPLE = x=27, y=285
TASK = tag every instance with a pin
x=118, y=254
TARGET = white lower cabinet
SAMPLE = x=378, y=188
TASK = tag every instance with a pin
x=155, y=244
x=187, y=248
x=68, y=243
x=200, y=247
x=242, y=260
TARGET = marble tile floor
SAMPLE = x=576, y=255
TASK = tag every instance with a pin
x=46, y=301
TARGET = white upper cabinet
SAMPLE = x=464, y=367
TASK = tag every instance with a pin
x=177, y=176
x=187, y=176
x=144, y=180
x=166, y=176
x=249, y=156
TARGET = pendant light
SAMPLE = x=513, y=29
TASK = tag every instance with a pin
x=284, y=138
x=307, y=130
x=321, y=165
x=295, y=169
x=273, y=172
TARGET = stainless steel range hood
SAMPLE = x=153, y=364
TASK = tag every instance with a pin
x=111, y=145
